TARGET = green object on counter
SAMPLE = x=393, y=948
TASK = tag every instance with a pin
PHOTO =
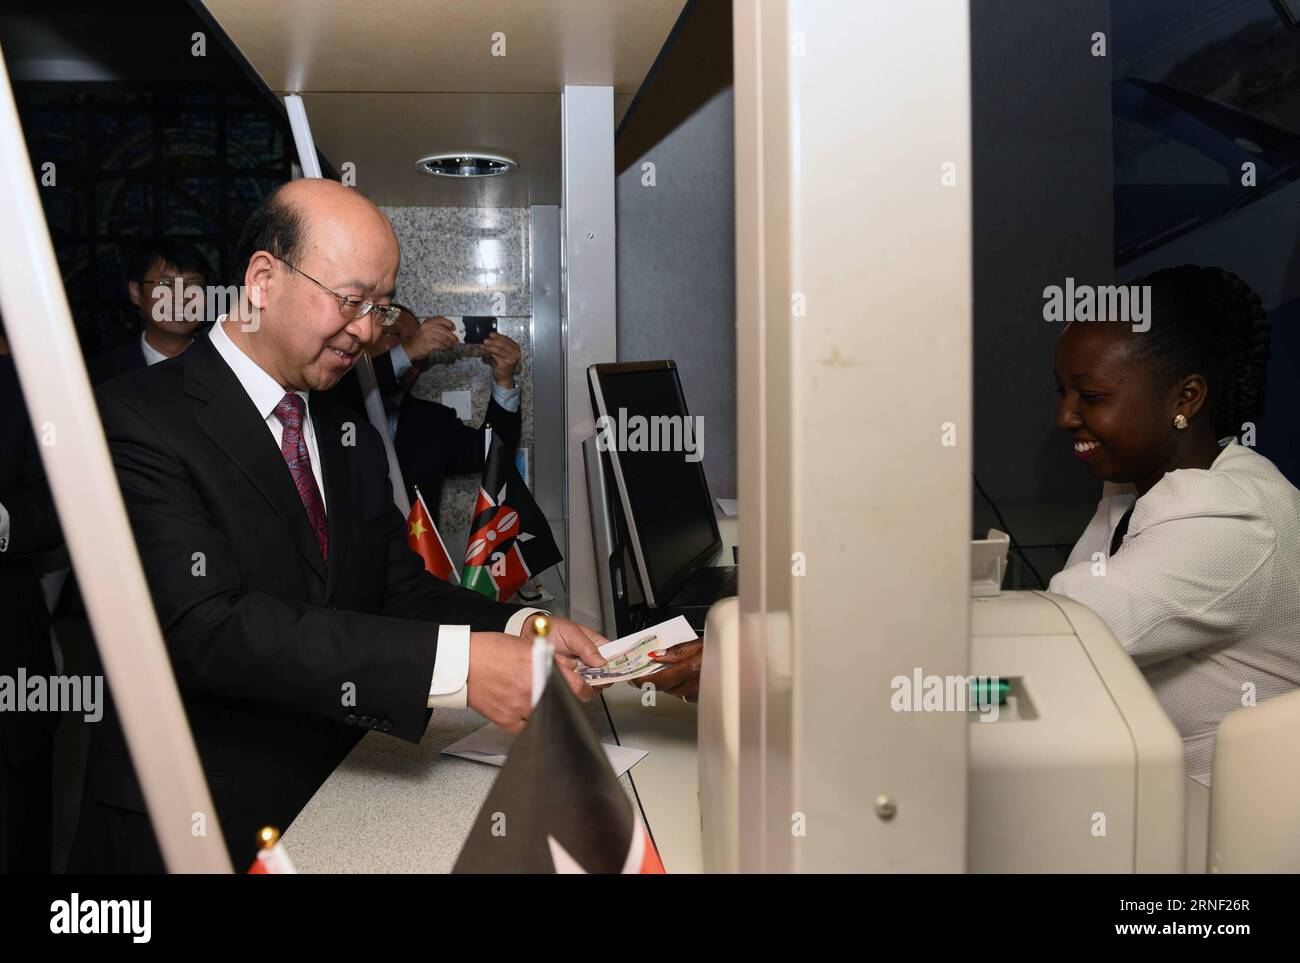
x=982, y=692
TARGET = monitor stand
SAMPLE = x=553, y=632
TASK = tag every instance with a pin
x=701, y=591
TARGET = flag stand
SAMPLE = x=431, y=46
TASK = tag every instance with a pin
x=543, y=655
x=452, y=569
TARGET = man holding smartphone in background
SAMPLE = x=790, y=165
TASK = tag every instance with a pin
x=430, y=439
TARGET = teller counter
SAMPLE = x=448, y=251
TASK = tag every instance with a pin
x=395, y=807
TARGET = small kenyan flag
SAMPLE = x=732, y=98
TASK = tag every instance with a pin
x=510, y=540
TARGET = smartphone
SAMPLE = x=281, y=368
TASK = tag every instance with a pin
x=474, y=329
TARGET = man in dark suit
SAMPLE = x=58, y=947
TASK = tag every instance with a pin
x=295, y=615
x=430, y=439
x=28, y=525
x=156, y=271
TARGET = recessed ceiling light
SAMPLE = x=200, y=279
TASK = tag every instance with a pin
x=465, y=165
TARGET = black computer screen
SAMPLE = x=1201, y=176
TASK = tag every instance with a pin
x=667, y=496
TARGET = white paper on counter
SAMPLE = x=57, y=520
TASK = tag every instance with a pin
x=491, y=745
x=729, y=506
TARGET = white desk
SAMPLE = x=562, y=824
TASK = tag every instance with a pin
x=396, y=807
x=667, y=781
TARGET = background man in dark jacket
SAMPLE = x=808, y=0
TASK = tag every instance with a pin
x=28, y=525
x=430, y=439
x=167, y=327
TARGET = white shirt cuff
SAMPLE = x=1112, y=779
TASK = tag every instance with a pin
x=449, y=688
x=401, y=361
x=516, y=624
x=507, y=398
x=4, y=529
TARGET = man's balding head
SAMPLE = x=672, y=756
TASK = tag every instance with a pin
x=281, y=223
x=313, y=229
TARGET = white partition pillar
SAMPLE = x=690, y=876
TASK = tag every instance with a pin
x=548, y=364
x=588, y=320
x=853, y=296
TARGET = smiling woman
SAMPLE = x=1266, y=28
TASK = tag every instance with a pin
x=1193, y=554
x=1143, y=402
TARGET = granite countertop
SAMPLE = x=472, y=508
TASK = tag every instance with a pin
x=395, y=807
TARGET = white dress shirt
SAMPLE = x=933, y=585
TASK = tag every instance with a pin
x=151, y=354
x=266, y=393
x=448, y=688
x=1204, y=591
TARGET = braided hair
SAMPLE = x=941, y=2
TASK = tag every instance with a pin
x=1208, y=321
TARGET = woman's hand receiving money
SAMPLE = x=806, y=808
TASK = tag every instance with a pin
x=681, y=675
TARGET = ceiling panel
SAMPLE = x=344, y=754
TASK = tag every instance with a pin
x=384, y=134
x=388, y=81
x=447, y=45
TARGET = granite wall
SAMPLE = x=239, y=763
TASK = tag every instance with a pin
x=458, y=261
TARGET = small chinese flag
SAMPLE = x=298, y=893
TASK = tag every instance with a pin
x=422, y=535
x=271, y=859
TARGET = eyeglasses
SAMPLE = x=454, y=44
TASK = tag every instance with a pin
x=168, y=282
x=351, y=306
x=401, y=310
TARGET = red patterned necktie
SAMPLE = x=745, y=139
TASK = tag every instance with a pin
x=293, y=446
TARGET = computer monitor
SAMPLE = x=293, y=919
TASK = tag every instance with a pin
x=644, y=431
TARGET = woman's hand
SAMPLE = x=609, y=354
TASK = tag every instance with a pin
x=681, y=678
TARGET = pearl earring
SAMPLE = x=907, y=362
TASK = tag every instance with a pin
x=1180, y=422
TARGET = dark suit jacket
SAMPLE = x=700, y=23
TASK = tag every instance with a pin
x=122, y=359
x=283, y=661
x=33, y=528
x=431, y=441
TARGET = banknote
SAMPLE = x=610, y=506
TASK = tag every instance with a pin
x=632, y=664
x=629, y=657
